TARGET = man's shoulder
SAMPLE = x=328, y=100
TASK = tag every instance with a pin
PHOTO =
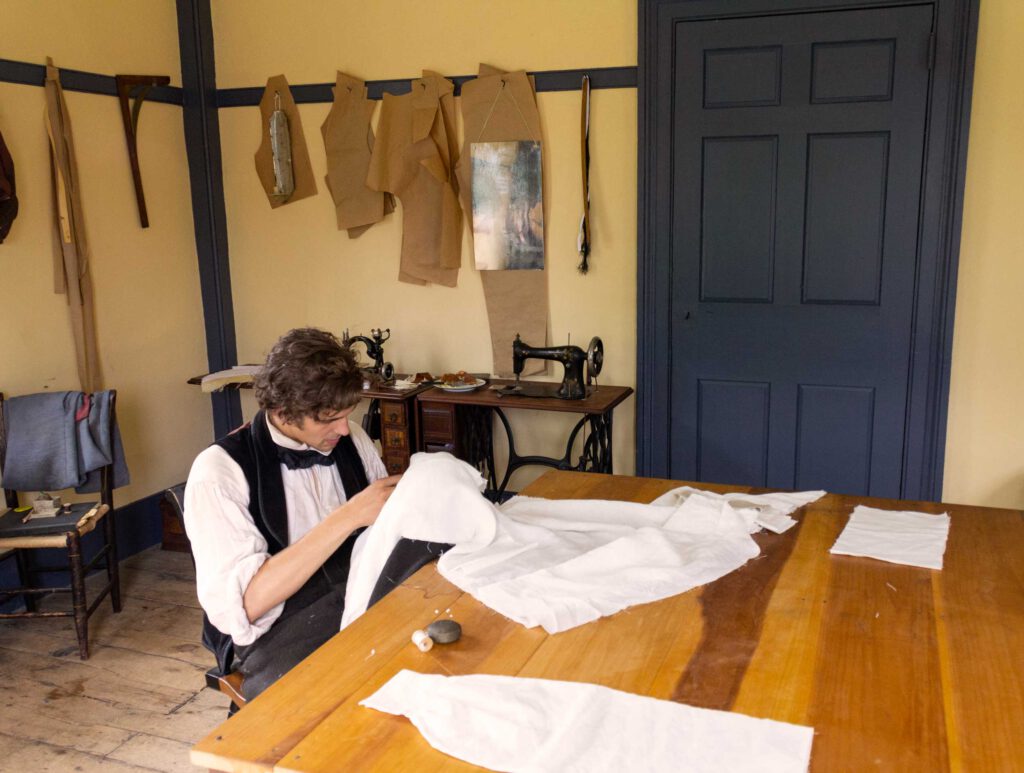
x=215, y=465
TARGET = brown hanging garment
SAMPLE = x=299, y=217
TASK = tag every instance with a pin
x=71, y=257
x=499, y=107
x=414, y=158
x=348, y=140
x=8, y=191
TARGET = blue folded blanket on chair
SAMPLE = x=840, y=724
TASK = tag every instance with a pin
x=48, y=450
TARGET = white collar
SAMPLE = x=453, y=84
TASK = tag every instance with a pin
x=284, y=441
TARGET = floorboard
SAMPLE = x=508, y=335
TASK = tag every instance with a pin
x=137, y=704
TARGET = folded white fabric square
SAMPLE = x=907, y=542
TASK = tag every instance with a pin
x=896, y=536
x=516, y=724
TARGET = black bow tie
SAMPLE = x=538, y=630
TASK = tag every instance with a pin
x=300, y=460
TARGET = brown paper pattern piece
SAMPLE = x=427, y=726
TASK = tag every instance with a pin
x=348, y=141
x=501, y=106
x=302, y=169
x=414, y=157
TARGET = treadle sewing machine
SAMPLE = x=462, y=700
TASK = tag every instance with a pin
x=384, y=371
x=580, y=367
x=461, y=422
x=376, y=382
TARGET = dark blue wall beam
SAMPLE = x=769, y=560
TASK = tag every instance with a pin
x=75, y=80
x=202, y=142
x=547, y=80
x=93, y=83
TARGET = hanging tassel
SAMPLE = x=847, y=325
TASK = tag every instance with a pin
x=583, y=239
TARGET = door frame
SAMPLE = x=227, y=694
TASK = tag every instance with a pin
x=955, y=26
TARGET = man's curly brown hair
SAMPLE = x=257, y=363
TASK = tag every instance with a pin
x=308, y=373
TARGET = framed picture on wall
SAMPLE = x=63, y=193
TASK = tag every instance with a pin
x=508, y=205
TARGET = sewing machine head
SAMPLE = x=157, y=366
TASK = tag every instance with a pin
x=374, y=350
x=574, y=360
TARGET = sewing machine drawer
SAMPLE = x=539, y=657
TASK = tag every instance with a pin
x=438, y=422
x=396, y=463
x=393, y=413
x=394, y=438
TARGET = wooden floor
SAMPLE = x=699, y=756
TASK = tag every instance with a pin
x=137, y=703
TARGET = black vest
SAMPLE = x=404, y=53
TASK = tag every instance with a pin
x=252, y=448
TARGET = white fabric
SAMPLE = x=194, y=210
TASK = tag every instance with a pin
x=768, y=511
x=554, y=563
x=896, y=536
x=516, y=724
x=438, y=499
x=227, y=546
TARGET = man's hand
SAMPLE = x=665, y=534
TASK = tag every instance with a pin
x=284, y=573
x=364, y=507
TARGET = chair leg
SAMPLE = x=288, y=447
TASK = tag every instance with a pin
x=78, y=594
x=24, y=577
x=113, y=573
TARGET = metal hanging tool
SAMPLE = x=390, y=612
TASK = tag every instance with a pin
x=281, y=152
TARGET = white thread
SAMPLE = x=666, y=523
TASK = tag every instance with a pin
x=422, y=641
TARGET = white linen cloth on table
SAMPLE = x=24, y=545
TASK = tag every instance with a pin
x=896, y=536
x=769, y=511
x=554, y=563
x=516, y=724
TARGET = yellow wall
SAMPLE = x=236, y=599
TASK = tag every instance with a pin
x=985, y=441
x=150, y=319
x=291, y=267
x=149, y=316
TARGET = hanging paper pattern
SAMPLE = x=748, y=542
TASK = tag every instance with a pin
x=282, y=160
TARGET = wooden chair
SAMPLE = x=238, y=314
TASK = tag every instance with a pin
x=220, y=677
x=70, y=539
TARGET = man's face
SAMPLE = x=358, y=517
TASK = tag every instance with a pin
x=320, y=432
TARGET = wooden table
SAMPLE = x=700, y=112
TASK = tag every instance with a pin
x=460, y=423
x=896, y=668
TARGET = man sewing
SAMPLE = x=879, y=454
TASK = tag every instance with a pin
x=273, y=510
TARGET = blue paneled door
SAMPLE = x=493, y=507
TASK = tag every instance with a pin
x=797, y=160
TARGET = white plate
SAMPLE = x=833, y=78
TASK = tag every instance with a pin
x=461, y=387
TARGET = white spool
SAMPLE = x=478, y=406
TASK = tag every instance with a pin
x=422, y=641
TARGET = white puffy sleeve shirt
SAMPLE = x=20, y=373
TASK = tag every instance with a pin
x=228, y=547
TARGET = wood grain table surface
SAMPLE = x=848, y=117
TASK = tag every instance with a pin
x=896, y=668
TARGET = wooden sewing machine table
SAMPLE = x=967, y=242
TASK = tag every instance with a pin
x=460, y=423
x=896, y=668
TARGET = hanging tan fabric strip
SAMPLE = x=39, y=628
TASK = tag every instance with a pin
x=71, y=256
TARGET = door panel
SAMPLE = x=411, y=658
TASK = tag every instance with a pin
x=797, y=150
